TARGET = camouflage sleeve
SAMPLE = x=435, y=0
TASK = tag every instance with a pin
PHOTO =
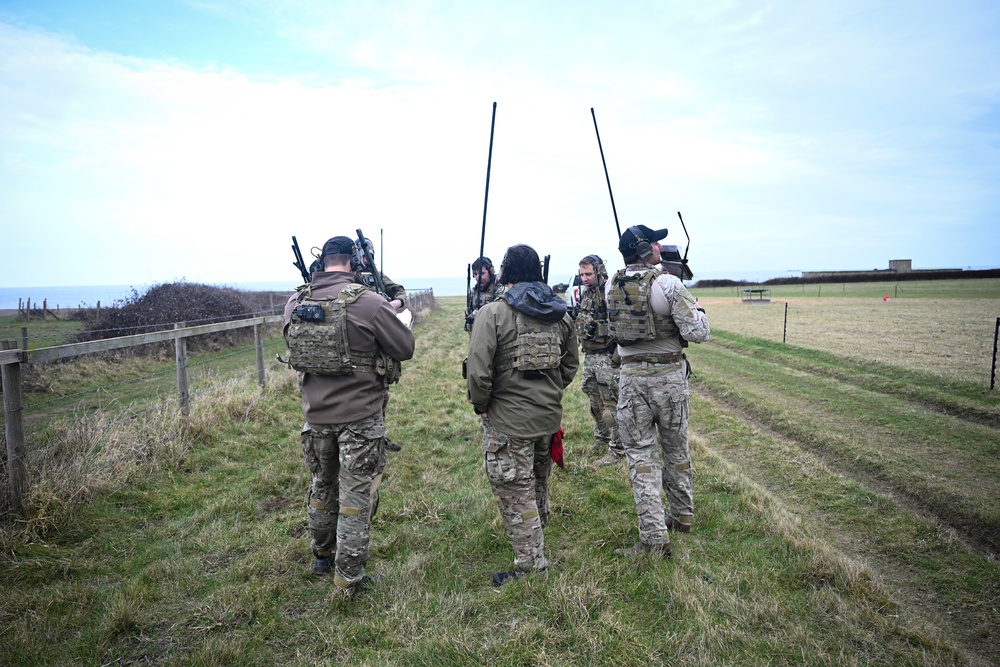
x=693, y=323
x=394, y=290
x=289, y=307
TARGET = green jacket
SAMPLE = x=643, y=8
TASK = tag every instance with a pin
x=518, y=404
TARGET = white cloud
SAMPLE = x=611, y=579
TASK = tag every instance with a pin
x=819, y=136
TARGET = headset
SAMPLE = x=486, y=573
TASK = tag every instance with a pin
x=485, y=262
x=600, y=268
x=641, y=246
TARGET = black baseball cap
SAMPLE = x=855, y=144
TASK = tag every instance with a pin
x=338, y=245
x=628, y=241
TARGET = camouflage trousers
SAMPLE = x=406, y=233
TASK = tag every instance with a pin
x=653, y=423
x=344, y=459
x=600, y=384
x=518, y=470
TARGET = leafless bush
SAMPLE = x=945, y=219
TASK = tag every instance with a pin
x=159, y=307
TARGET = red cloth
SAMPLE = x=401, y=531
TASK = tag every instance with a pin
x=557, y=448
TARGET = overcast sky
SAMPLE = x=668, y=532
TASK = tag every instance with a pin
x=144, y=142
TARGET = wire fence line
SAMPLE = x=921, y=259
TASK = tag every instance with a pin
x=85, y=441
x=77, y=336
x=22, y=463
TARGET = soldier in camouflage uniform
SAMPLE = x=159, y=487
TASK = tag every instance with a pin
x=487, y=289
x=396, y=294
x=654, y=317
x=600, y=363
x=341, y=336
x=522, y=355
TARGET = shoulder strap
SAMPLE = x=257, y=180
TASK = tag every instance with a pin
x=352, y=292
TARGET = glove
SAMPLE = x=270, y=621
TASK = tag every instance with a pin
x=557, y=448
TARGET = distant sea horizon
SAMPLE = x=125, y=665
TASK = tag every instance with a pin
x=77, y=296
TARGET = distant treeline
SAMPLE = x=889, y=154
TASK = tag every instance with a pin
x=881, y=277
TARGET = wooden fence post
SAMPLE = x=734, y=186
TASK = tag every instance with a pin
x=993, y=368
x=784, y=331
x=180, y=346
x=17, y=471
x=24, y=338
x=258, y=341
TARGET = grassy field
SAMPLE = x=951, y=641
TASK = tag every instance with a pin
x=948, y=336
x=985, y=288
x=847, y=512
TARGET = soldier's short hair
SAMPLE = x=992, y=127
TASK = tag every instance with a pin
x=520, y=265
x=480, y=263
x=596, y=263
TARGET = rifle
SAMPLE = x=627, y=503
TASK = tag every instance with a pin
x=606, y=177
x=468, y=288
x=299, y=263
x=371, y=265
x=545, y=269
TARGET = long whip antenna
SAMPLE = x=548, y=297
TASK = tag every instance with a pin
x=489, y=164
x=486, y=199
x=606, y=177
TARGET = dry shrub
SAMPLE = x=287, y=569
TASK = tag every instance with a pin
x=159, y=307
x=95, y=453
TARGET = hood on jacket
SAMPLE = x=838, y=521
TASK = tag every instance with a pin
x=536, y=299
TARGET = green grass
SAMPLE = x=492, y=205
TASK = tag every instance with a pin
x=40, y=333
x=197, y=553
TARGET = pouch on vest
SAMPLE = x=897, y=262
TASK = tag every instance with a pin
x=537, y=346
x=317, y=334
x=631, y=318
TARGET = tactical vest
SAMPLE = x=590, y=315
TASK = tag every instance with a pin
x=630, y=315
x=592, y=322
x=484, y=297
x=473, y=304
x=317, y=335
x=536, y=347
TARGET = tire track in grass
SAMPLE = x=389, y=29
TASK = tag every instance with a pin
x=972, y=403
x=936, y=575
x=947, y=466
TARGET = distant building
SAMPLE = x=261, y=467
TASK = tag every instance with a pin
x=896, y=266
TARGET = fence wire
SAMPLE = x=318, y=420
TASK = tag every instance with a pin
x=84, y=449
x=88, y=438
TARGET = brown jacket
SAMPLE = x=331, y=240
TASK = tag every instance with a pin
x=371, y=324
